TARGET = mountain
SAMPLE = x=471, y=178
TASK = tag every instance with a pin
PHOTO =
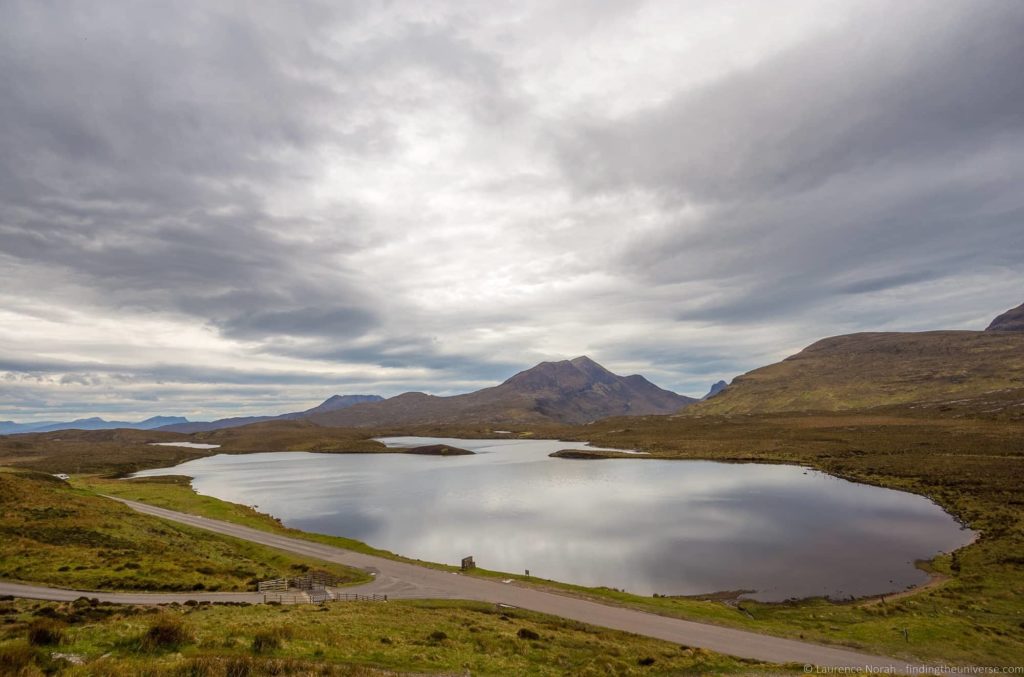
x=13, y=428
x=93, y=423
x=204, y=426
x=1011, y=320
x=333, y=403
x=155, y=422
x=874, y=369
x=715, y=389
x=570, y=391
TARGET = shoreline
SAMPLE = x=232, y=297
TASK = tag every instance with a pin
x=731, y=598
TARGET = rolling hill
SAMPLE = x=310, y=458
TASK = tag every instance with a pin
x=881, y=368
x=569, y=391
x=332, y=403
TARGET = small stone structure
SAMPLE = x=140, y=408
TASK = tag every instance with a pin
x=468, y=563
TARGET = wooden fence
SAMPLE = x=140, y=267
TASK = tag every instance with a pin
x=311, y=588
x=320, y=597
x=315, y=580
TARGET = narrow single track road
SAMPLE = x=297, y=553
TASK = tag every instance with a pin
x=401, y=580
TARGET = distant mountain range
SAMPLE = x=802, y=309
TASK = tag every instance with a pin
x=842, y=372
x=94, y=423
x=885, y=368
x=569, y=391
x=333, y=403
x=181, y=424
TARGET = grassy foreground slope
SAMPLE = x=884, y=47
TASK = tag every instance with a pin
x=54, y=534
x=354, y=638
x=875, y=369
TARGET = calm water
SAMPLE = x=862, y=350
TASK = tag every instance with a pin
x=646, y=526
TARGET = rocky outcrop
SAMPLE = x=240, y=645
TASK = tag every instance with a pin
x=1011, y=320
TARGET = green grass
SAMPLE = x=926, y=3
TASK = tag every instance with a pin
x=65, y=537
x=84, y=451
x=357, y=638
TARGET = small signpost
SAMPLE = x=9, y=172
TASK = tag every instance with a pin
x=468, y=563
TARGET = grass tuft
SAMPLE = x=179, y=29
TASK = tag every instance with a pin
x=18, y=659
x=45, y=632
x=526, y=633
x=166, y=632
x=266, y=641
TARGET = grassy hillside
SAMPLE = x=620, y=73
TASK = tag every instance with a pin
x=80, y=451
x=51, y=533
x=354, y=638
x=875, y=369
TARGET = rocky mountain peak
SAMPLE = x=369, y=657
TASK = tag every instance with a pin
x=1011, y=320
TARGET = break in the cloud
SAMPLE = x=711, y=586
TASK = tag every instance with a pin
x=213, y=208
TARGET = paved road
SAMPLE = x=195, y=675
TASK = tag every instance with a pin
x=62, y=595
x=400, y=580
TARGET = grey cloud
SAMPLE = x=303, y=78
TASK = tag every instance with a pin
x=135, y=158
x=450, y=372
x=338, y=323
x=895, y=87
x=885, y=154
x=90, y=372
x=288, y=177
x=884, y=282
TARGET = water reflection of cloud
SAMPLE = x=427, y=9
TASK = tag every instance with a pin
x=644, y=525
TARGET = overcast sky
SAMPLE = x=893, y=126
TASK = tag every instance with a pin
x=211, y=209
